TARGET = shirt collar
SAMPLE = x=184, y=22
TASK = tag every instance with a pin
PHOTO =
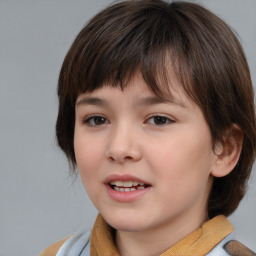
x=199, y=242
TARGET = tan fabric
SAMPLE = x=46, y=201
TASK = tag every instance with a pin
x=54, y=248
x=235, y=248
x=203, y=240
x=102, y=241
x=199, y=243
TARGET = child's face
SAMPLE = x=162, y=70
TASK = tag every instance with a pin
x=123, y=138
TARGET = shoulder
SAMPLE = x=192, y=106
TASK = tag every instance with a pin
x=234, y=247
x=71, y=246
x=230, y=247
x=54, y=248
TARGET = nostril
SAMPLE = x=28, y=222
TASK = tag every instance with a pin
x=123, y=154
x=112, y=159
x=118, y=156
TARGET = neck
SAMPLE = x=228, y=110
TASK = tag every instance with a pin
x=156, y=241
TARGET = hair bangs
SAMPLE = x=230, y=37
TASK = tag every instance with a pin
x=112, y=53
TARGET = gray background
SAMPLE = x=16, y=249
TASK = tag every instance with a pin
x=40, y=202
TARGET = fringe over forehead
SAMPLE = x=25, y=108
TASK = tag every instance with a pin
x=134, y=36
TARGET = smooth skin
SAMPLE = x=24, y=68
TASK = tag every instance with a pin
x=164, y=142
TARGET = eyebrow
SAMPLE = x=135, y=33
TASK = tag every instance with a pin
x=153, y=100
x=91, y=101
x=144, y=101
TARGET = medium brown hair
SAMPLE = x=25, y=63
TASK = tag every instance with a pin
x=143, y=36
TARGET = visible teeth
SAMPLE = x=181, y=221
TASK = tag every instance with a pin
x=126, y=184
x=119, y=183
x=124, y=189
x=141, y=187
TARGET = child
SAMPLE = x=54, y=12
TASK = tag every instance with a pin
x=156, y=111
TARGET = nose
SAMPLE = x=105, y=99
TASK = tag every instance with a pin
x=123, y=145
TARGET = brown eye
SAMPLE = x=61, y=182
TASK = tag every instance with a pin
x=96, y=120
x=159, y=120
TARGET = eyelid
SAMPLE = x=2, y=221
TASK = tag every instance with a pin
x=86, y=119
x=170, y=119
x=162, y=115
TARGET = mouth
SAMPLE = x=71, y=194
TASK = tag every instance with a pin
x=127, y=186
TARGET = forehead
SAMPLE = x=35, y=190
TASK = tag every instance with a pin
x=163, y=75
x=136, y=91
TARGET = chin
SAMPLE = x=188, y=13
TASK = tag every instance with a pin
x=126, y=227
x=126, y=223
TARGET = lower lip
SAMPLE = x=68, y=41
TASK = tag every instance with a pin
x=126, y=196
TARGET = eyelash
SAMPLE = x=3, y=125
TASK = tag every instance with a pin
x=88, y=119
x=167, y=120
x=155, y=118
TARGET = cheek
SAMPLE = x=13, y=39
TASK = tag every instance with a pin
x=88, y=155
x=183, y=171
x=181, y=157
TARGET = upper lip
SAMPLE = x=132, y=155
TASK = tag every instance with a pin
x=123, y=177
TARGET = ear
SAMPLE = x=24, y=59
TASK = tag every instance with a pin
x=228, y=152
